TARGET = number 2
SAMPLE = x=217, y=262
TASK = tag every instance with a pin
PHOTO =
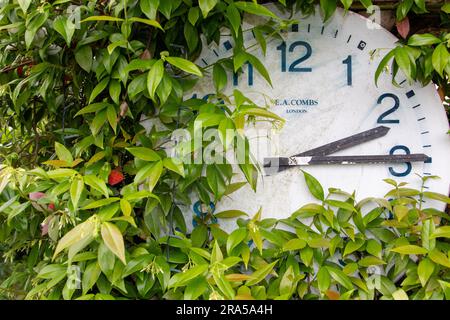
x=381, y=118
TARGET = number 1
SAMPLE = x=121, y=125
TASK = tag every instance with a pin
x=348, y=62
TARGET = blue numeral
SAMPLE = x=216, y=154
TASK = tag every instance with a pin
x=348, y=62
x=391, y=110
x=408, y=164
x=293, y=67
x=249, y=78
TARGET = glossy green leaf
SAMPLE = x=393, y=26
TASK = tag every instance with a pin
x=206, y=6
x=409, y=249
x=154, y=77
x=314, y=186
x=185, y=65
x=260, y=274
x=143, y=153
x=113, y=239
x=97, y=184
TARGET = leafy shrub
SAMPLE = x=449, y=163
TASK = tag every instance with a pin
x=90, y=202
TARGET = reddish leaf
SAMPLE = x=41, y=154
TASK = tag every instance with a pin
x=332, y=295
x=115, y=177
x=403, y=27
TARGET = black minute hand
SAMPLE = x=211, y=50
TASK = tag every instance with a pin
x=347, y=160
x=335, y=146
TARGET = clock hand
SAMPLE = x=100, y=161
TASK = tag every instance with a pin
x=321, y=160
x=338, y=145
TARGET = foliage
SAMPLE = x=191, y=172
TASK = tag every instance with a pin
x=85, y=190
x=377, y=248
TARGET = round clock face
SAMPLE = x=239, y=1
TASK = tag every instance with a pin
x=323, y=86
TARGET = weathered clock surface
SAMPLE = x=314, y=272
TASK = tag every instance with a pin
x=323, y=86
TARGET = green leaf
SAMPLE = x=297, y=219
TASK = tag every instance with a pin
x=149, y=8
x=441, y=232
x=428, y=242
x=374, y=247
x=155, y=75
x=206, y=6
x=340, y=277
x=323, y=279
x=437, y=196
x=185, y=65
x=111, y=114
x=400, y=294
x=98, y=89
x=106, y=260
x=33, y=26
x=154, y=174
x=137, y=264
x=383, y=63
x=143, y=153
x=83, y=56
x=81, y=232
x=227, y=214
x=98, y=122
x=352, y=246
x=113, y=239
x=409, y=249
x=234, y=17
x=425, y=39
x=341, y=204
x=64, y=27
x=90, y=276
x=102, y=18
x=125, y=206
x=193, y=15
x=440, y=58
x=425, y=270
x=114, y=91
x=294, y=244
x=370, y=261
x=438, y=257
x=404, y=62
x=149, y=22
x=314, y=186
x=219, y=77
x=195, y=288
x=76, y=188
x=181, y=279
x=93, y=108
x=347, y=4
x=100, y=203
x=235, y=238
x=260, y=112
x=97, y=184
x=254, y=8
x=446, y=7
x=328, y=8
x=63, y=153
x=174, y=165
x=261, y=274
x=24, y=4
x=260, y=67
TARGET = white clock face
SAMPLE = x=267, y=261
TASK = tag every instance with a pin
x=323, y=85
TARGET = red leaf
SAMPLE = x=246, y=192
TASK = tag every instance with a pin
x=115, y=177
x=403, y=27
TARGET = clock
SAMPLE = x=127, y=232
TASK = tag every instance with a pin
x=323, y=86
